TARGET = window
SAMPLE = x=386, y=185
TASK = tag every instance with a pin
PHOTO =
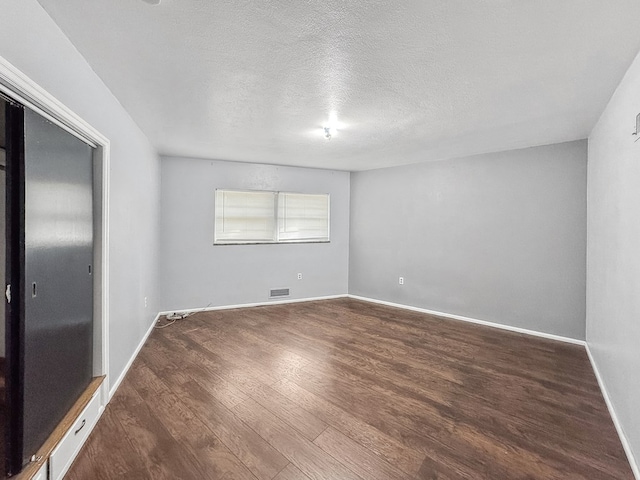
x=270, y=217
x=303, y=217
x=245, y=217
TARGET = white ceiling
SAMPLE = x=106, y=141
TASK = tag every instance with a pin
x=409, y=81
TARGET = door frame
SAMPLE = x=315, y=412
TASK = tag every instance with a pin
x=20, y=88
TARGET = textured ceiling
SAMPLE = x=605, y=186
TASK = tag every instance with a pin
x=408, y=81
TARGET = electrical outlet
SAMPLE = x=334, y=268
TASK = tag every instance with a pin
x=145, y=302
x=299, y=276
x=401, y=280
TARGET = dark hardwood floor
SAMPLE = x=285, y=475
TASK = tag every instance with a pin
x=343, y=389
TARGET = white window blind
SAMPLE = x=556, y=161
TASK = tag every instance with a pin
x=303, y=217
x=270, y=217
x=244, y=217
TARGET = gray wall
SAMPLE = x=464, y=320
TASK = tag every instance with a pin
x=32, y=42
x=498, y=237
x=196, y=273
x=613, y=253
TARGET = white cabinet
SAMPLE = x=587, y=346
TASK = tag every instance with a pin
x=66, y=451
x=43, y=473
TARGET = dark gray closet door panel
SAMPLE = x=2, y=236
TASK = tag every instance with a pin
x=58, y=284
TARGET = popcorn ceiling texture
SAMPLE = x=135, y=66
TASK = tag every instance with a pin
x=410, y=81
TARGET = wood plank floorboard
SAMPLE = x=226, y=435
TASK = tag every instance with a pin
x=344, y=389
x=305, y=455
x=290, y=472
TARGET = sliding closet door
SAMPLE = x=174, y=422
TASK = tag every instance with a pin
x=58, y=285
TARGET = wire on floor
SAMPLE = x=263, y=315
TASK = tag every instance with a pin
x=175, y=316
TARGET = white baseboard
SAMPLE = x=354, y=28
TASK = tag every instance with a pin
x=246, y=305
x=614, y=417
x=534, y=333
x=117, y=383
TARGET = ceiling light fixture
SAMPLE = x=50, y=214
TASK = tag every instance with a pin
x=152, y=2
x=329, y=132
x=330, y=128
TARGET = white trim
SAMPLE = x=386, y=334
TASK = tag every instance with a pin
x=614, y=417
x=525, y=331
x=246, y=305
x=17, y=86
x=117, y=383
x=106, y=295
x=21, y=88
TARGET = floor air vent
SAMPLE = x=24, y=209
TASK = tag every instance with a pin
x=278, y=292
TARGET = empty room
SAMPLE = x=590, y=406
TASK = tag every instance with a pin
x=304, y=240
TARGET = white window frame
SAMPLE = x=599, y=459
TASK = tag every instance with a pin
x=276, y=225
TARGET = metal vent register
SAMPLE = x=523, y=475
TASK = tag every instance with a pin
x=278, y=292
